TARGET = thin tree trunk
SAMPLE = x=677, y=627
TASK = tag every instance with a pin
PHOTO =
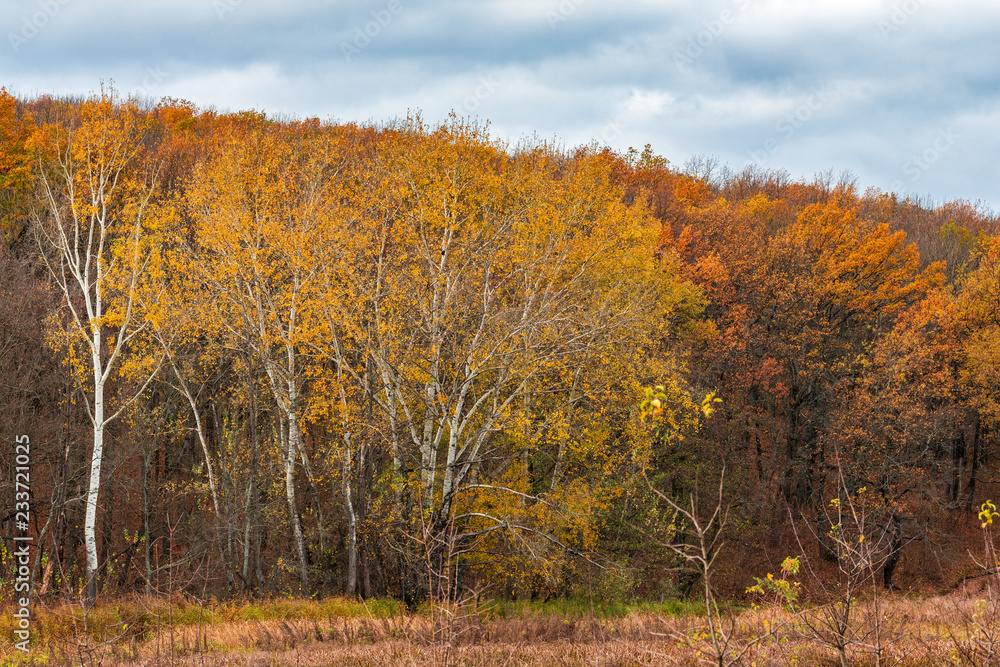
x=973, y=464
x=53, y=510
x=895, y=552
x=147, y=542
x=314, y=493
x=300, y=544
x=351, y=585
x=107, y=532
x=202, y=441
x=957, y=458
x=253, y=518
x=288, y=434
x=96, y=458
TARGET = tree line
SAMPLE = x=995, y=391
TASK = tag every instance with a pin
x=259, y=355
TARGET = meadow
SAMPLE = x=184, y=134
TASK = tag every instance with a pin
x=956, y=629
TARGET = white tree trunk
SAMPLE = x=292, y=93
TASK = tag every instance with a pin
x=90, y=522
x=285, y=398
x=294, y=443
x=351, y=585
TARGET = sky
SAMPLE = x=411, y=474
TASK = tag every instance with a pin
x=903, y=94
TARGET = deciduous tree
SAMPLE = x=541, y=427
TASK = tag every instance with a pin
x=93, y=205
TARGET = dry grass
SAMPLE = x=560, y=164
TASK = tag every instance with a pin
x=927, y=631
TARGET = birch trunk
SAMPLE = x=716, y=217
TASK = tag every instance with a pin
x=351, y=585
x=96, y=457
x=291, y=445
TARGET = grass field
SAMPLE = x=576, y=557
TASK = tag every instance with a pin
x=945, y=630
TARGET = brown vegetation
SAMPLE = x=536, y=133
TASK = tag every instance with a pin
x=940, y=630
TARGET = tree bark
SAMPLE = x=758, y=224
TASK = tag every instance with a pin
x=351, y=584
x=96, y=458
x=293, y=512
x=895, y=552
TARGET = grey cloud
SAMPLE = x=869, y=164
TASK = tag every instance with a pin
x=902, y=70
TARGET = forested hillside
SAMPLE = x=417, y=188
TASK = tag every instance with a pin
x=259, y=356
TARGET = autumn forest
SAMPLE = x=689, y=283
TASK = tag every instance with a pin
x=260, y=357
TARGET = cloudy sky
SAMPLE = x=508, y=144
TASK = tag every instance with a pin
x=903, y=93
